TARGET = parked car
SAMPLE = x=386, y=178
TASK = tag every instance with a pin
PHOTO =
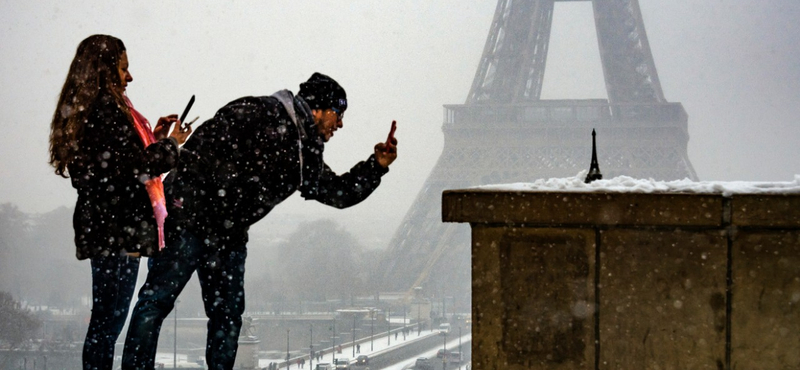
x=442, y=352
x=362, y=360
x=454, y=357
x=323, y=366
x=341, y=363
x=423, y=363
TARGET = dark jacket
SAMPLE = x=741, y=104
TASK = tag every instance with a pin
x=113, y=213
x=254, y=153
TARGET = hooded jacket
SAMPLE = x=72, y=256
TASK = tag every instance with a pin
x=255, y=153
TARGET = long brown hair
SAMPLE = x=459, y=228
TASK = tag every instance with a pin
x=93, y=74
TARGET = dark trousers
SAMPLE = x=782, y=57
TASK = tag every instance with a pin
x=113, y=283
x=221, y=275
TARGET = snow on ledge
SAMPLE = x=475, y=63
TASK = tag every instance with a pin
x=625, y=184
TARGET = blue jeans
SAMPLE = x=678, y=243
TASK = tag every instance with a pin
x=221, y=275
x=113, y=283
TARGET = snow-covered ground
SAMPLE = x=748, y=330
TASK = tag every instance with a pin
x=632, y=185
x=451, y=345
x=378, y=345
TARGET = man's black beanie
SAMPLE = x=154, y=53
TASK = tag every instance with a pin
x=323, y=92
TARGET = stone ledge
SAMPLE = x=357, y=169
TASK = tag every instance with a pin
x=759, y=210
x=619, y=209
x=576, y=208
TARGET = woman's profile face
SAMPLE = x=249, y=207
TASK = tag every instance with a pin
x=124, y=75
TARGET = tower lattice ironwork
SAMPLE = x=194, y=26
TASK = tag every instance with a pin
x=505, y=133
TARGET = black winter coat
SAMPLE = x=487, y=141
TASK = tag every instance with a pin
x=237, y=166
x=114, y=214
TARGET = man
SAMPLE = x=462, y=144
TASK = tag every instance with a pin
x=252, y=155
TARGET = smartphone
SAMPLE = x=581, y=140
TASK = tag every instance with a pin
x=391, y=135
x=186, y=111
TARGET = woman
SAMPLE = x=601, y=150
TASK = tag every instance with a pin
x=114, y=161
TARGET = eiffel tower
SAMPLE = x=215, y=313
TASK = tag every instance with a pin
x=505, y=133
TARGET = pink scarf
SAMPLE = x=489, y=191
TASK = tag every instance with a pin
x=154, y=186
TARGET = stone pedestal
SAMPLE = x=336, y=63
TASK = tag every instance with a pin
x=247, y=355
x=604, y=280
x=554, y=331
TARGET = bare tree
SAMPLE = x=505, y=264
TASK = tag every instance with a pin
x=14, y=240
x=320, y=261
x=17, y=325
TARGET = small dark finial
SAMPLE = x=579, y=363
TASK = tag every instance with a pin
x=594, y=168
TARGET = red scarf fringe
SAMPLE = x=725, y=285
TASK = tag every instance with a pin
x=154, y=186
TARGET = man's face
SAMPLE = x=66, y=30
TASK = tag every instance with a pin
x=327, y=122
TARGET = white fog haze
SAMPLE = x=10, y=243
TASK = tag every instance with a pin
x=732, y=64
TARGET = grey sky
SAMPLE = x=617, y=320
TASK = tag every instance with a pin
x=733, y=65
